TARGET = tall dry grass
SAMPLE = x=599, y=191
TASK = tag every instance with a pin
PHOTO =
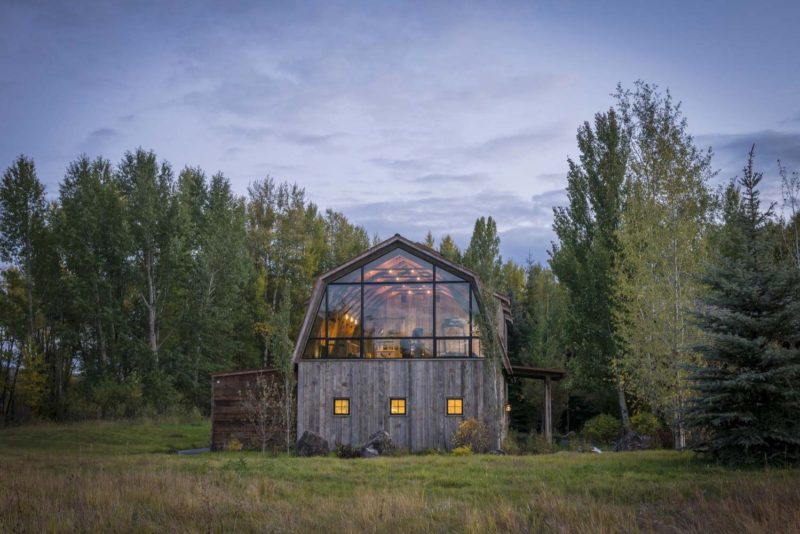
x=137, y=493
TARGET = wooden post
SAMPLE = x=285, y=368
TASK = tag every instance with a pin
x=548, y=411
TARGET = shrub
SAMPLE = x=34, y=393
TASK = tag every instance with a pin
x=536, y=444
x=510, y=445
x=602, y=428
x=474, y=433
x=234, y=444
x=646, y=424
x=347, y=451
x=464, y=450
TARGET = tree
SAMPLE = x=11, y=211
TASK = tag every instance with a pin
x=587, y=253
x=449, y=249
x=22, y=224
x=663, y=244
x=147, y=188
x=747, y=394
x=483, y=253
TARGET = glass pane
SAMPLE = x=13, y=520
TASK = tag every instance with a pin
x=344, y=311
x=452, y=347
x=443, y=275
x=398, y=266
x=398, y=310
x=315, y=348
x=318, y=328
x=476, y=319
x=476, y=348
x=344, y=348
x=398, y=348
x=452, y=310
x=352, y=276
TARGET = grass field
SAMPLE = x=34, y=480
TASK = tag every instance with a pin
x=125, y=477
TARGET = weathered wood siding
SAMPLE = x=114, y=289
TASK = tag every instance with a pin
x=228, y=416
x=369, y=384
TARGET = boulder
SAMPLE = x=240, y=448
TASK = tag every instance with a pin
x=369, y=452
x=312, y=444
x=380, y=441
x=633, y=441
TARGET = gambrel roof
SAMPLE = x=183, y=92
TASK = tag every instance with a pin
x=395, y=242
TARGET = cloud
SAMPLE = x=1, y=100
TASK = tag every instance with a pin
x=400, y=164
x=524, y=224
x=514, y=143
x=438, y=179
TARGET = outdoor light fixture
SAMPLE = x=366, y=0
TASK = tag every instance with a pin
x=508, y=407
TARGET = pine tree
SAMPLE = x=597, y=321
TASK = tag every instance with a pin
x=748, y=390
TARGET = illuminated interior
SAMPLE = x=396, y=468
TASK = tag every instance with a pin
x=341, y=406
x=455, y=406
x=397, y=406
x=397, y=306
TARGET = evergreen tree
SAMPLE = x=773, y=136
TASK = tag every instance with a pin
x=483, y=253
x=449, y=249
x=748, y=390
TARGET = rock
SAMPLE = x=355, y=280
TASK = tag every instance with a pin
x=380, y=441
x=369, y=452
x=312, y=444
x=633, y=441
x=499, y=452
x=596, y=450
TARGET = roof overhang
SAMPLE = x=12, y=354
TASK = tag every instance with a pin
x=539, y=373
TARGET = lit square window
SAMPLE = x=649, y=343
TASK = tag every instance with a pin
x=455, y=406
x=341, y=406
x=397, y=406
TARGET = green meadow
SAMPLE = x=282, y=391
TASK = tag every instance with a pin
x=126, y=476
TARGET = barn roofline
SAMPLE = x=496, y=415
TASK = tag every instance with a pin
x=396, y=241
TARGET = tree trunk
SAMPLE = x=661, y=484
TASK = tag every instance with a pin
x=623, y=407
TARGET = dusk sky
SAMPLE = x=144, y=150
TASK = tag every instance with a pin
x=404, y=116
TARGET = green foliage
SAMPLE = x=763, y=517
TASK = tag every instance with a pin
x=463, y=450
x=646, y=423
x=483, y=253
x=747, y=399
x=663, y=240
x=510, y=445
x=587, y=252
x=602, y=429
x=472, y=433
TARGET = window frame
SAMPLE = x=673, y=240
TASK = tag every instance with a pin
x=404, y=400
x=470, y=335
x=447, y=406
x=339, y=399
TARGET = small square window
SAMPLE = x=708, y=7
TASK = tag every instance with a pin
x=341, y=406
x=455, y=406
x=397, y=406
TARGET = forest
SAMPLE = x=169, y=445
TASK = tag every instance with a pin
x=666, y=293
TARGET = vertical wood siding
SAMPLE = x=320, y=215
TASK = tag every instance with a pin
x=369, y=384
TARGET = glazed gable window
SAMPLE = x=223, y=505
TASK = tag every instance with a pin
x=396, y=306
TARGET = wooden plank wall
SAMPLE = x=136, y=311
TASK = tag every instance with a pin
x=426, y=384
x=228, y=416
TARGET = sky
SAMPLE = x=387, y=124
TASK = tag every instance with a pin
x=405, y=116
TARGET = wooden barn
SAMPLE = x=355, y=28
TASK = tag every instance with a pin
x=391, y=341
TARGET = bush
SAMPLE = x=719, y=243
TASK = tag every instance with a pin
x=234, y=445
x=646, y=424
x=347, y=451
x=602, y=428
x=510, y=445
x=474, y=433
x=464, y=450
x=536, y=444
